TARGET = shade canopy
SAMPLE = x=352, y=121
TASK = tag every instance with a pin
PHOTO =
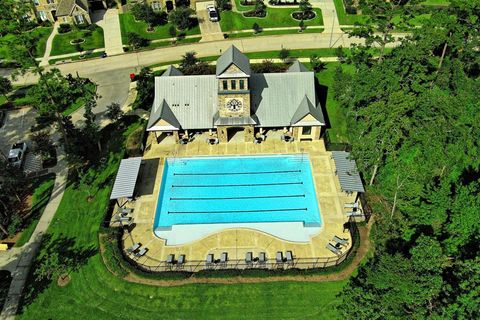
x=126, y=179
x=347, y=172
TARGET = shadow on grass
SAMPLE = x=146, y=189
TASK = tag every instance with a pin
x=70, y=259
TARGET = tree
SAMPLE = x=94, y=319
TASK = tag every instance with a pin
x=340, y=53
x=223, y=5
x=284, y=54
x=136, y=41
x=14, y=17
x=145, y=89
x=189, y=59
x=91, y=129
x=114, y=112
x=180, y=18
x=301, y=25
x=317, y=64
x=5, y=87
x=43, y=144
x=142, y=11
x=256, y=28
x=172, y=31
x=305, y=8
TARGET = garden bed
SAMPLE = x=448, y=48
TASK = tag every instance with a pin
x=299, y=16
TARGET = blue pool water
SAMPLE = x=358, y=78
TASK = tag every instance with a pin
x=237, y=190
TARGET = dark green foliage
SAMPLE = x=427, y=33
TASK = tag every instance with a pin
x=64, y=28
x=136, y=41
x=317, y=64
x=43, y=145
x=256, y=28
x=114, y=112
x=267, y=66
x=414, y=121
x=145, y=89
x=259, y=11
x=223, y=5
x=172, y=31
x=284, y=54
x=5, y=86
x=142, y=11
x=180, y=18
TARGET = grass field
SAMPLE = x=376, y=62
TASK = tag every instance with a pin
x=276, y=17
x=345, y=18
x=41, y=33
x=42, y=189
x=272, y=33
x=128, y=24
x=95, y=293
x=93, y=40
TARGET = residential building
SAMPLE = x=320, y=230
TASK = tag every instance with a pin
x=236, y=100
x=67, y=11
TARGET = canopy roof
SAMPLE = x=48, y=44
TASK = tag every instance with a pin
x=126, y=179
x=347, y=172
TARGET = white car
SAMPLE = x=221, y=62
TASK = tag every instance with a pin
x=212, y=13
x=16, y=155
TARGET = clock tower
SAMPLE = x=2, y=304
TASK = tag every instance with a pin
x=233, y=75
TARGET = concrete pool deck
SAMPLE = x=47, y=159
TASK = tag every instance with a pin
x=237, y=241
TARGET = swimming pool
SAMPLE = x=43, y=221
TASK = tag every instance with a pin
x=243, y=190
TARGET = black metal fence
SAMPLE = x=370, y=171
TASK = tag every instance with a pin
x=151, y=265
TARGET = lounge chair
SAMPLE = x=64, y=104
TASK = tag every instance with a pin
x=181, y=259
x=124, y=219
x=334, y=249
x=209, y=260
x=134, y=247
x=249, y=257
x=279, y=258
x=141, y=252
x=353, y=205
x=341, y=241
x=354, y=214
x=262, y=258
x=124, y=211
x=171, y=259
x=224, y=257
x=289, y=257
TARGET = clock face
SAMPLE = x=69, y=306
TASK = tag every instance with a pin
x=234, y=105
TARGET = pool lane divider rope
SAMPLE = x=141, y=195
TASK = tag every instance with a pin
x=233, y=185
x=234, y=173
x=243, y=198
x=238, y=211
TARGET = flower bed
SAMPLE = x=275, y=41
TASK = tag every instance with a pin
x=298, y=15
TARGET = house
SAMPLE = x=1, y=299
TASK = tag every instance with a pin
x=67, y=11
x=167, y=5
x=235, y=100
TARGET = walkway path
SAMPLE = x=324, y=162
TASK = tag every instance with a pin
x=19, y=260
x=329, y=13
x=111, y=32
x=48, y=48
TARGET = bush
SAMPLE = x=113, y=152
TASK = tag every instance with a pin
x=223, y=5
x=136, y=41
x=134, y=141
x=267, y=66
x=349, y=7
x=64, y=28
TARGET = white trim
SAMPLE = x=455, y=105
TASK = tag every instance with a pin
x=163, y=128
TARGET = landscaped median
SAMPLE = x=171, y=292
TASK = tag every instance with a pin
x=275, y=18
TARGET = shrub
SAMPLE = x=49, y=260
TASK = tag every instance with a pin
x=180, y=18
x=256, y=28
x=134, y=143
x=136, y=41
x=64, y=28
x=284, y=54
x=223, y=5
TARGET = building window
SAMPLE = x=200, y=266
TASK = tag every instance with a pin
x=42, y=15
x=156, y=6
x=233, y=84
x=242, y=84
x=79, y=19
x=36, y=2
x=225, y=84
x=306, y=130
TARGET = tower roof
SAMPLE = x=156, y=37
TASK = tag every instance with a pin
x=297, y=66
x=233, y=56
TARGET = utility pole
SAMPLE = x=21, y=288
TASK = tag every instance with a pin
x=331, y=33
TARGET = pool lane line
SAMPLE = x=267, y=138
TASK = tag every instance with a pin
x=244, y=198
x=234, y=173
x=238, y=211
x=234, y=185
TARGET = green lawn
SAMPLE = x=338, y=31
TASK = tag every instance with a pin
x=128, y=24
x=345, y=18
x=79, y=102
x=93, y=40
x=42, y=189
x=166, y=43
x=276, y=17
x=75, y=58
x=41, y=33
x=436, y=3
x=272, y=33
x=95, y=293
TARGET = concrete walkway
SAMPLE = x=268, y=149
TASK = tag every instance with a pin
x=48, y=48
x=19, y=260
x=110, y=23
x=210, y=30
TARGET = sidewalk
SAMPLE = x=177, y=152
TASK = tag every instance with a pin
x=111, y=32
x=48, y=48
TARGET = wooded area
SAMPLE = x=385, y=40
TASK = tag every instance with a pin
x=414, y=119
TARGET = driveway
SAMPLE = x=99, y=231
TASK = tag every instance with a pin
x=110, y=23
x=210, y=30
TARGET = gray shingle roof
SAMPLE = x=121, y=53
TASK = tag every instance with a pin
x=306, y=107
x=163, y=112
x=192, y=99
x=172, y=71
x=237, y=121
x=65, y=7
x=347, y=172
x=126, y=179
x=233, y=56
x=297, y=66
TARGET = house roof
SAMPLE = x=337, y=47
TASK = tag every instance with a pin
x=307, y=108
x=165, y=113
x=236, y=121
x=172, y=71
x=191, y=99
x=350, y=180
x=126, y=179
x=297, y=66
x=233, y=56
x=65, y=7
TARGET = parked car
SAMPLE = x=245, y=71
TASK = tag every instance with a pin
x=16, y=155
x=2, y=117
x=212, y=13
